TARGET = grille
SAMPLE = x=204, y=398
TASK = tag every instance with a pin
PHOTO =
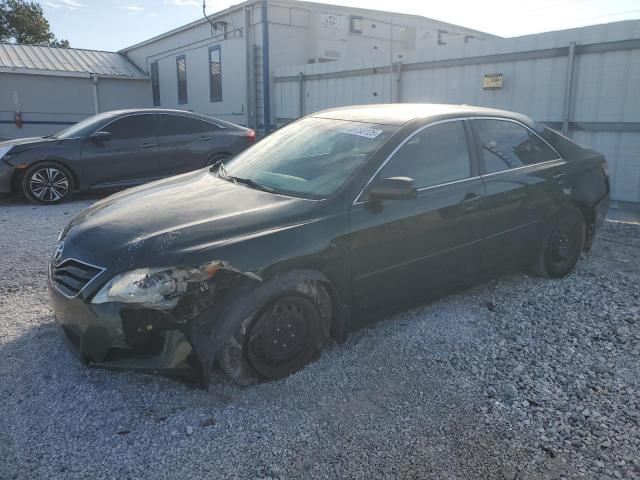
x=71, y=276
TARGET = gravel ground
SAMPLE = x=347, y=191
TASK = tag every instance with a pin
x=516, y=378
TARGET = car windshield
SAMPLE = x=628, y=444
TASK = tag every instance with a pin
x=310, y=158
x=83, y=127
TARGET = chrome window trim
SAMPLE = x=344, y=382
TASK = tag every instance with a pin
x=357, y=200
x=513, y=120
x=453, y=182
x=53, y=265
x=559, y=161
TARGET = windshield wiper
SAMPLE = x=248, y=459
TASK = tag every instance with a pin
x=49, y=136
x=253, y=184
x=218, y=169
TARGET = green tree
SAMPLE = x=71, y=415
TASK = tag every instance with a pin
x=24, y=22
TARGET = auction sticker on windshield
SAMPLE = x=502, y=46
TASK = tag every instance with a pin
x=363, y=132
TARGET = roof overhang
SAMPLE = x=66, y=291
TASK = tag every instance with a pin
x=57, y=73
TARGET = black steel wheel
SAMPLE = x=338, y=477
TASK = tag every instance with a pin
x=279, y=339
x=563, y=244
x=47, y=183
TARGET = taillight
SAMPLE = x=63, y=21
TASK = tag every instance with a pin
x=251, y=136
x=605, y=168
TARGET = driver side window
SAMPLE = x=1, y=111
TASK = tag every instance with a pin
x=436, y=155
x=132, y=127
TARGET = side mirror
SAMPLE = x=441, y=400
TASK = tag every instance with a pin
x=394, y=188
x=100, y=137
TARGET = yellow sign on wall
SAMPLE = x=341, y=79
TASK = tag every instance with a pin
x=492, y=81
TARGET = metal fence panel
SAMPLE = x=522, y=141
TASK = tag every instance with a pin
x=596, y=96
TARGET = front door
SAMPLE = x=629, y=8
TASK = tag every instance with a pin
x=404, y=250
x=128, y=157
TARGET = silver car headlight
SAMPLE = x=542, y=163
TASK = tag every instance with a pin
x=154, y=288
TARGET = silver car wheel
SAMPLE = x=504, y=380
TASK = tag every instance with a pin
x=48, y=184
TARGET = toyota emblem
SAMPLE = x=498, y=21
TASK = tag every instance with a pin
x=57, y=253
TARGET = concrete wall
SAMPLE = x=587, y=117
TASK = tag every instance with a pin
x=114, y=94
x=48, y=104
x=603, y=99
x=51, y=103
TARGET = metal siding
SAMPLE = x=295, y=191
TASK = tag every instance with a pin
x=606, y=86
x=70, y=60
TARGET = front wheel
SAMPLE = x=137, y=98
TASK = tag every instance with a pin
x=279, y=340
x=47, y=183
x=563, y=244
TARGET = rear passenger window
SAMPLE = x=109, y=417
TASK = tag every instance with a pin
x=436, y=155
x=508, y=145
x=132, y=126
x=178, y=125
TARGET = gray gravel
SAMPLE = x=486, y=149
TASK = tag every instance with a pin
x=517, y=378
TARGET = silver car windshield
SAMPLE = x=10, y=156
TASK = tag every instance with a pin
x=310, y=158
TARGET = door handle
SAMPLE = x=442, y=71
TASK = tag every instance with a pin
x=147, y=145
x=468, y=203
x=470, y=196
x=204, y=139
x=558, y=175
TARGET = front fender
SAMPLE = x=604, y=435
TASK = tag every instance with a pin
x=209, y=329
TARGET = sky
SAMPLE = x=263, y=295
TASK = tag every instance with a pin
x=115, y=24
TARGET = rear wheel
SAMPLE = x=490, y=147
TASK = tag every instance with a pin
x=47, y=183
x=563, y=244
x=278, y=340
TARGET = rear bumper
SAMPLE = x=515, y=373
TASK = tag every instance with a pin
x=600, y=211
x=97, y=335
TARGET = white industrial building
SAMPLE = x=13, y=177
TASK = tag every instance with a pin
x=217, y=65
x=45, y=89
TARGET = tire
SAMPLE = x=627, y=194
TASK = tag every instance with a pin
x=279, y=339
x=563, y=244
x=47, y=183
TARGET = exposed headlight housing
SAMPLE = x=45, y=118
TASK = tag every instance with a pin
x=154, y=288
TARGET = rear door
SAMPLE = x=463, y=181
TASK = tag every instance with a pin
x=185, y=143
x=127, y=157
x=523, y=177
x=403, y=250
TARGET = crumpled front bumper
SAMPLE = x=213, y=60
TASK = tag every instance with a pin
x=99, y=335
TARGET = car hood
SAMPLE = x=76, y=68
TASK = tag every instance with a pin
x=160, y=223
x=29, y=142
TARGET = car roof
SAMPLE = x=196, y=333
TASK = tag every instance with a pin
x=129, y=111
x=402, y=113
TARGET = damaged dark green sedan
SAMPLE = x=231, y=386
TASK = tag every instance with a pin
x=326, y=223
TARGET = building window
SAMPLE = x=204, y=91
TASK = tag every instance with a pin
x=155, y=83
x=215, y=73
x=181, y=64
x=355, y=24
